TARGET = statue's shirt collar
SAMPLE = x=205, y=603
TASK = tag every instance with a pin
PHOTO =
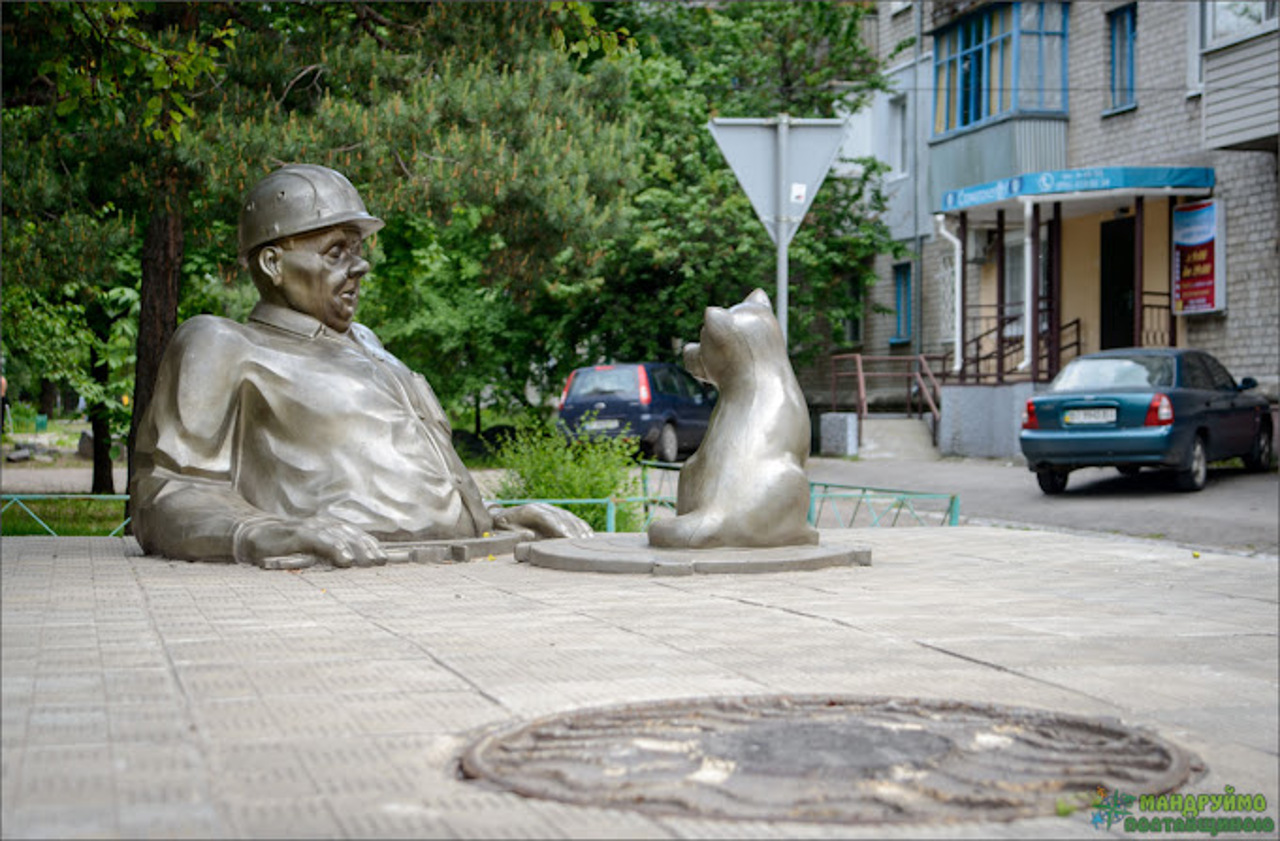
x=291, y=321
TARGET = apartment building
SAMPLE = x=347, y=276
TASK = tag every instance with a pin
x=1085, y=174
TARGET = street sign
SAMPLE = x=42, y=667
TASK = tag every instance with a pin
x=780, y=163
x=751, y=148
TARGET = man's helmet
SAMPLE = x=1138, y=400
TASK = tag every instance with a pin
x=298, y=199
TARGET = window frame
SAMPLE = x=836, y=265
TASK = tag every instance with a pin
x=1125, y=19
x=902, y=304
x=1017, y=43
x=1212, y=41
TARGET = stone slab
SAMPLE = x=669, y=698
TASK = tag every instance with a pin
x=630, y=553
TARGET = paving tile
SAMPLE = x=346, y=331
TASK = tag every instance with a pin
x=145, y=698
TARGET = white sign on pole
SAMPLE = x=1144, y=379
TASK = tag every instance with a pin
x=780, y=163
x=751, y=148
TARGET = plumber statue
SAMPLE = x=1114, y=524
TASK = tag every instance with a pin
x=296, y=435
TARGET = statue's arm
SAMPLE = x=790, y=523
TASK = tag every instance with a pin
x=185, y=503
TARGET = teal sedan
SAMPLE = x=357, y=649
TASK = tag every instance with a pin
x=1167, y=408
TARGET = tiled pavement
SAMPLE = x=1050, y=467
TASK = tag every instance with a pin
x=148, y=698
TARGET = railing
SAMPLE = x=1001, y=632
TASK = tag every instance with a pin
x=922, y=386
x=916, y=506
x=20, y=501
x=1155, y=319
x=993, y=355
x=874, y=506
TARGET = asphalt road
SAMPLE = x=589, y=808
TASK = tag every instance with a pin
x=1236, y=511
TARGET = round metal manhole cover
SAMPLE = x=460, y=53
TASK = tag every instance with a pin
x=826, y=758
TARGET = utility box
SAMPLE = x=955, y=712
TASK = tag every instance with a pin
x=838, y=434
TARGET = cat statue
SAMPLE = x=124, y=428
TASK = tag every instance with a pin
x=746, y=485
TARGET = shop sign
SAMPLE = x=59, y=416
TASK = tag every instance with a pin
x=1199, y=258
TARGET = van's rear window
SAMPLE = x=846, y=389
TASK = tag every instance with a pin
x=605, y=382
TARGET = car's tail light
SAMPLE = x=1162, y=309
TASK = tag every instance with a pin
x=646, y=396
x=1029, y=417
x=565, y=394
x=1160, y=412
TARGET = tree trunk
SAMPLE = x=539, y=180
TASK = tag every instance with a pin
x=158, y=305
x=48, y=397
x=100, y=412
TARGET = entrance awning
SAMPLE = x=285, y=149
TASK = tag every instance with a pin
x=1081, y=191
x=1078, y=192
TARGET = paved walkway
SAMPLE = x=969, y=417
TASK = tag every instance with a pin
x=149, y=698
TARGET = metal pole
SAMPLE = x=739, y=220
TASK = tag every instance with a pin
x=784, y=202
x=1139, y=224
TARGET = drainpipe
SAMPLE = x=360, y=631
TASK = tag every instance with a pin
x=918, y=272
x=1028, y=273
x=940, y=222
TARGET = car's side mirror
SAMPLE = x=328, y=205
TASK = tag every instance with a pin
x=1247, y=383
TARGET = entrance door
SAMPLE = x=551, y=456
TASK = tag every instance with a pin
x=1116, y=290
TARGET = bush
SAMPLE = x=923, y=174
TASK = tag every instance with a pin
x=542, y=463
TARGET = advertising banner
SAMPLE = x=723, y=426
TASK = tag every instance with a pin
x=1199, y=258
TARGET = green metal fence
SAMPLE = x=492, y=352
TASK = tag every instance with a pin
x=20, y=501
x=831, y=505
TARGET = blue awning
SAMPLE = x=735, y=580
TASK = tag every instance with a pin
x=1074, y=181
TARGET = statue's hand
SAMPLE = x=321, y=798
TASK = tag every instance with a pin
x=542, y=519
x=280, y=543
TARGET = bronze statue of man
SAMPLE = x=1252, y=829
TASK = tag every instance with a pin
x=297, y=433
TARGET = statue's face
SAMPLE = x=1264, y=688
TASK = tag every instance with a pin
x=319, y=274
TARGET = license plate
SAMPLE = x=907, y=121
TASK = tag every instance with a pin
x=1076, y=416
x=597, y=425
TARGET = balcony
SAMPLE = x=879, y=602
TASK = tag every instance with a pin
x=1002, y=149
x=1241, y=106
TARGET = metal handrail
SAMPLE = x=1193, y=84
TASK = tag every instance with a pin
x=917, y=371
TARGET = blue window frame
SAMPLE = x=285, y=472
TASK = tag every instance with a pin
x=902, y=303
x=1123, y=23
x=1006, y=58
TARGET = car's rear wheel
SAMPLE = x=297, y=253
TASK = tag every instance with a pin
x=1259, y=458
x=1197, y=470
x=1052, y=481
x=1129, y=469
x=667, y=448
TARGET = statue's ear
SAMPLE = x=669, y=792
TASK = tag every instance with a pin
x=267, y=261
x=758, y=296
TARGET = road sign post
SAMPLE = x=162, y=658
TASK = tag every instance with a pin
x=780, y=162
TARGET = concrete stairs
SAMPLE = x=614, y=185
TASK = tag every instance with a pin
x=897, y=437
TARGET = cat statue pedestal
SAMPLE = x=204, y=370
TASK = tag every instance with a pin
x=743, y=499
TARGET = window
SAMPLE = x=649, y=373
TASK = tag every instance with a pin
x=902, y=303
x=1195, y=374
x=1123, y=24
x=1005, y=59
x=1222, y=379
x=1231, y=21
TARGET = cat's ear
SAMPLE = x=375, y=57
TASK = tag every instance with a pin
x=759, y=297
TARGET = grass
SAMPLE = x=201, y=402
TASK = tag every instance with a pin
x=67, y=517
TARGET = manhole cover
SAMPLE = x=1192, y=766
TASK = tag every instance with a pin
x=826, y=758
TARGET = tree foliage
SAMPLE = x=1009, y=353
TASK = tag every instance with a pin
x=694, y=238
x=552, y=194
